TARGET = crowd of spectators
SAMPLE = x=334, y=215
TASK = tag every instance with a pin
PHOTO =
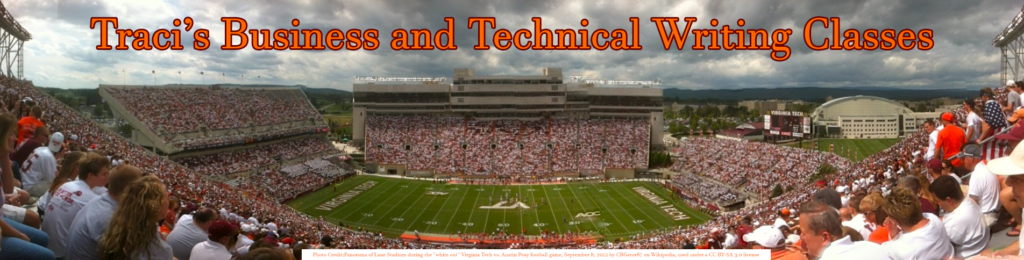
x=172, y=110
x=255, y=157
x=507, y=147
x=754, y=166
x=696, y=187
x=191, y=188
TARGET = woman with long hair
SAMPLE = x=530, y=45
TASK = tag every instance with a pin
x=17, y=241
x=66, y=172
x=133, y=232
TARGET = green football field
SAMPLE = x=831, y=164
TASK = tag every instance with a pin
x=859, y=148
x=394, y=206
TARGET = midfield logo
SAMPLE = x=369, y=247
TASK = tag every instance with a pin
x=502, y=205
x=437, y=193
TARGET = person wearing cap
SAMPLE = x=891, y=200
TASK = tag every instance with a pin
x=27, y=125
x=937, y=169
x=994, y=121
x=1006, y=197
x=821, y=236
x=973, y=124
x=984, y=186
x=922, y=234
x=964, y=225
x=949, y=142
x=783, y=218
x=40, y=168
x=767, y=237
x=71, y=197
x=1013, y=97
x=223, y=235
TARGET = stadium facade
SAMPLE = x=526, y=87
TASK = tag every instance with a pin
x=858, y=117
x=526, y=105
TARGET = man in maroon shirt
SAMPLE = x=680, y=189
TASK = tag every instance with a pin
x=24, y=149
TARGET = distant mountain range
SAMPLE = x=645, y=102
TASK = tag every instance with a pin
x=815, y=93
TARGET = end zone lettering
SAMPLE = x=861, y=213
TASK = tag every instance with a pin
x=344, y=197
x=668, y=209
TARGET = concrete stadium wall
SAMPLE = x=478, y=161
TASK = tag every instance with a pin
x=620, y=173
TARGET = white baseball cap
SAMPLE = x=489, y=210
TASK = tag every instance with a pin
x=1009, y=83
x=56, y=142
x=766, y=236
x=1009, y=165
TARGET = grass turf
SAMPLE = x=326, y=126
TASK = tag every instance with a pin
x=859, y=148
x=394, y=206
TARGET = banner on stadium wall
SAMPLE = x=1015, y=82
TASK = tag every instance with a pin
x=768, y=121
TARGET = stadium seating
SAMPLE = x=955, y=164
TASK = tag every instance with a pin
x=507, y=147
x=179, y=110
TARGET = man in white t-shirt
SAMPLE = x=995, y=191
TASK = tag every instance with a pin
x=964, y=224
x=923, y=236
x=69, y=198
x=984, y=186
x=933, y=137
x=858, y=221
x=40, y=168
x=973, y=129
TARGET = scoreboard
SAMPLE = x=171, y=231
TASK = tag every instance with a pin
x=787, y=123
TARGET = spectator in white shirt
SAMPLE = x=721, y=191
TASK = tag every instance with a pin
x=964, y=224
x=40, y=168
x=984, y=186
x=71, y=197
x=93, y=219
x=858, y=221
x=933, y=137
x=923, y=236
x=223, y=235
x=973, y=129
x=821, y=236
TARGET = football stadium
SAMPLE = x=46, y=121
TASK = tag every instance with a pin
x=474, y=161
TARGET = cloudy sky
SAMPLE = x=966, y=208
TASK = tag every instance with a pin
x=62, y=52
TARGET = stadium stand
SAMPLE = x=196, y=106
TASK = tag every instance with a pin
x=230, y=115
x=507, y=147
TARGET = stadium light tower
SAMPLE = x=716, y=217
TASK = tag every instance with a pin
x=1011, y=45
x=179, y=78
x=154, y=77
x=12, y=38
x=204, y=77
